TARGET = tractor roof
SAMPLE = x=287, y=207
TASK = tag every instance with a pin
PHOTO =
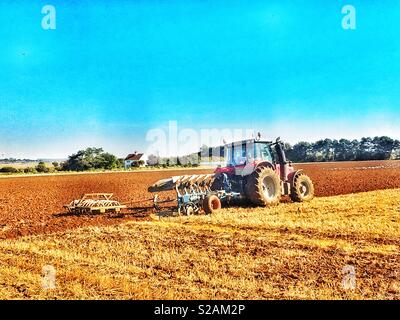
x=247, y=141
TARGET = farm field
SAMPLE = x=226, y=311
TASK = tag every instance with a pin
x=292, y=251
x=32, y=205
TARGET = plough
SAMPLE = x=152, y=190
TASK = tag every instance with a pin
x=194, y=192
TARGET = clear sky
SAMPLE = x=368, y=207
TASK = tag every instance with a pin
x=112, y=70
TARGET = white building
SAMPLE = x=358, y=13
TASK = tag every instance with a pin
x=134, y=160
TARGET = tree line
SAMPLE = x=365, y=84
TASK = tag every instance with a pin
x=367, y=148
x=377, y=148
x=82, y=160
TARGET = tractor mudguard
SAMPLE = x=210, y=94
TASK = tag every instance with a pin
x=293, y=174
x=265, y=164
x=249, y=168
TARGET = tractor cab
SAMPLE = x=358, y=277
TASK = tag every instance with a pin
x=243, y=157
x=260, y=171
x=248, y=152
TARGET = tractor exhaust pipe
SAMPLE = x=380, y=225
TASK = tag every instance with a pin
x=280, y=152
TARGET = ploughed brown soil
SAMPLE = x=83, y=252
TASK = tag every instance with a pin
x=33, y=205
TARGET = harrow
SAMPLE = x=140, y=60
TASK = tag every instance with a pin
x=95, y=202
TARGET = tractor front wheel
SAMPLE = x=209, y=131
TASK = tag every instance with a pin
x=263, y=187
x=302, y=188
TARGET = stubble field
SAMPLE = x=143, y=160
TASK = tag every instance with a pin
x=294, y=251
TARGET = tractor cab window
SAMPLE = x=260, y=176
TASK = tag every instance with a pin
x=236, y=154
x=241, y=154
x=263, y=152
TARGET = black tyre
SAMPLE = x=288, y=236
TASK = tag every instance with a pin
x=263, y=187
x=186, y=210
x=302, y=188
x=211, y=204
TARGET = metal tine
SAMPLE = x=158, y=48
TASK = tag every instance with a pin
x=204, y=182
x=191, y=183
x=185, y=179
x=209, y=181
x=196, y=183
x=179, y=182
x=192, y=179
x=204, y=179
x=201, y=182
x=184, y=183
x=200, y=178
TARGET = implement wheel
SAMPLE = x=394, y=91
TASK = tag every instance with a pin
x=302, y=188
x=211, y=204
x=186, y=210
x=263, y=187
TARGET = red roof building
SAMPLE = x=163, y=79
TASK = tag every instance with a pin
x=132, y=160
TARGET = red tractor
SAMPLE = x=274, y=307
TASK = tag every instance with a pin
x=255, y=170
x=260, y=172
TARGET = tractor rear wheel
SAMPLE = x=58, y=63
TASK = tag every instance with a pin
x=211, y=204
x=302, y=188
x=263, y=187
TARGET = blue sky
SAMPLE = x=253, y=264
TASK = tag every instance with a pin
x=112, y=70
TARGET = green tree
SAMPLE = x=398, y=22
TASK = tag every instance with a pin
x=104, y=160
x=343, y=150
x=42, y=168
x=29, y=170
x=91, y=158
x=9, y=169
x=383, y=147
x=301, y=152
x=366, y=149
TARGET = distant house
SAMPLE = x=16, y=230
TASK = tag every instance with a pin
x=134, y=160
